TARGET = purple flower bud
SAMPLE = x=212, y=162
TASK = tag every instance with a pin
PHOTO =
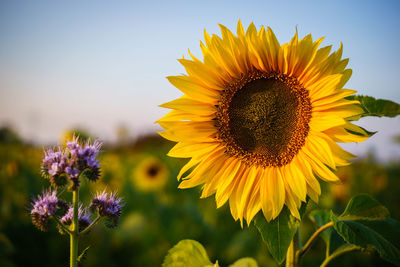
x=70, y=163
x=72, y=171
x=54, y=162
x=84, y=158
x=108, y=205
x=73, y=146
x=45, y=206
x=89, y=154
x=83, y=217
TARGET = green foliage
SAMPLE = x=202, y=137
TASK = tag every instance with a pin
x=187, y=253
x=83, y=254
x=245, y=262
x=191, y=253
x=366, y=224
x=363, y=207
x=278, y=233
x=375, y=107
x=320, y=218
x=151, y=222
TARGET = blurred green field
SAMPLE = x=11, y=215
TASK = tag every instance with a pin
x=156, y=214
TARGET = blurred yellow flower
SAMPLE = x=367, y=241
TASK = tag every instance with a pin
x=150, y=175
x=113, y=176
x=68, y=135
x=259, y=119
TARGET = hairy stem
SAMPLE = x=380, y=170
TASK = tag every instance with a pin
x=304, y=249
x=339, y=252
x=65, y=228
x=75, y=230
x=90, y=225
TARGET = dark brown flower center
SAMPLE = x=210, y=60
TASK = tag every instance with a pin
x=263, y=118
x=152, y=171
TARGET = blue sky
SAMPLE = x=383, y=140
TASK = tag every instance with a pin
x=99, y=64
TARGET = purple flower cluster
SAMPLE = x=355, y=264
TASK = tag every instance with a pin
x=70, y=163
x=109, y=206
x=75, y=160
x=83, y=218
x=45, y=206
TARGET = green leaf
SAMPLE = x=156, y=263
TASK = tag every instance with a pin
x=83, y=255
x=187, y=253
x=367, y=133
x=375, y=107
x=245, y=262
x=320, y=218
x=278, y=233
x=365, y=223
x=364, y=207
x=336, y=243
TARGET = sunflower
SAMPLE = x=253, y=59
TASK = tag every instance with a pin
x=150, y=175
x=260, y=120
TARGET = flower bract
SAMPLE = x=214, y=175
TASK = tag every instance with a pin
x=108, y=205
x=44, y=207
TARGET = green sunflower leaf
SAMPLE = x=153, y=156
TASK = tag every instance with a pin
x=375, y=107
x=278, y=233
x=244, y=262
x=334, y=242
x=187, y=253
x=366, y=224
x=364, y=207
x=320, y=218
x=367, y=133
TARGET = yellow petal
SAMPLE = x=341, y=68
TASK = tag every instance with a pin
x=320, y=123
x=187, y=150
x=225, y=187
x=191, y=106
x=296, y=181
x=194, y=90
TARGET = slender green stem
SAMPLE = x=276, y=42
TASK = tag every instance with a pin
x=339, y=252
x=65, y=228
x=303, y=250
x=291, y=259
x=90, y=225
x=75, y=230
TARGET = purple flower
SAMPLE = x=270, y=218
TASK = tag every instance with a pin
x=83, y=217
x=45, y=206
x=84, y=158
x=54, y=163
x=73, y=146
x=75, y=160
x=109, y=206
x=89, y=154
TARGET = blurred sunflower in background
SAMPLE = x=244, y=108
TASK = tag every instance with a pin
x=69, y=134
x=260, y=120
x=150, y=175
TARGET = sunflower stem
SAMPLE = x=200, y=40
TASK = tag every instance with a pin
x=329, y=258
x=74, y=236
x=291, y=259
x=314, y=236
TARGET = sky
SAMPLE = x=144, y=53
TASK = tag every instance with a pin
x=102, y=64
